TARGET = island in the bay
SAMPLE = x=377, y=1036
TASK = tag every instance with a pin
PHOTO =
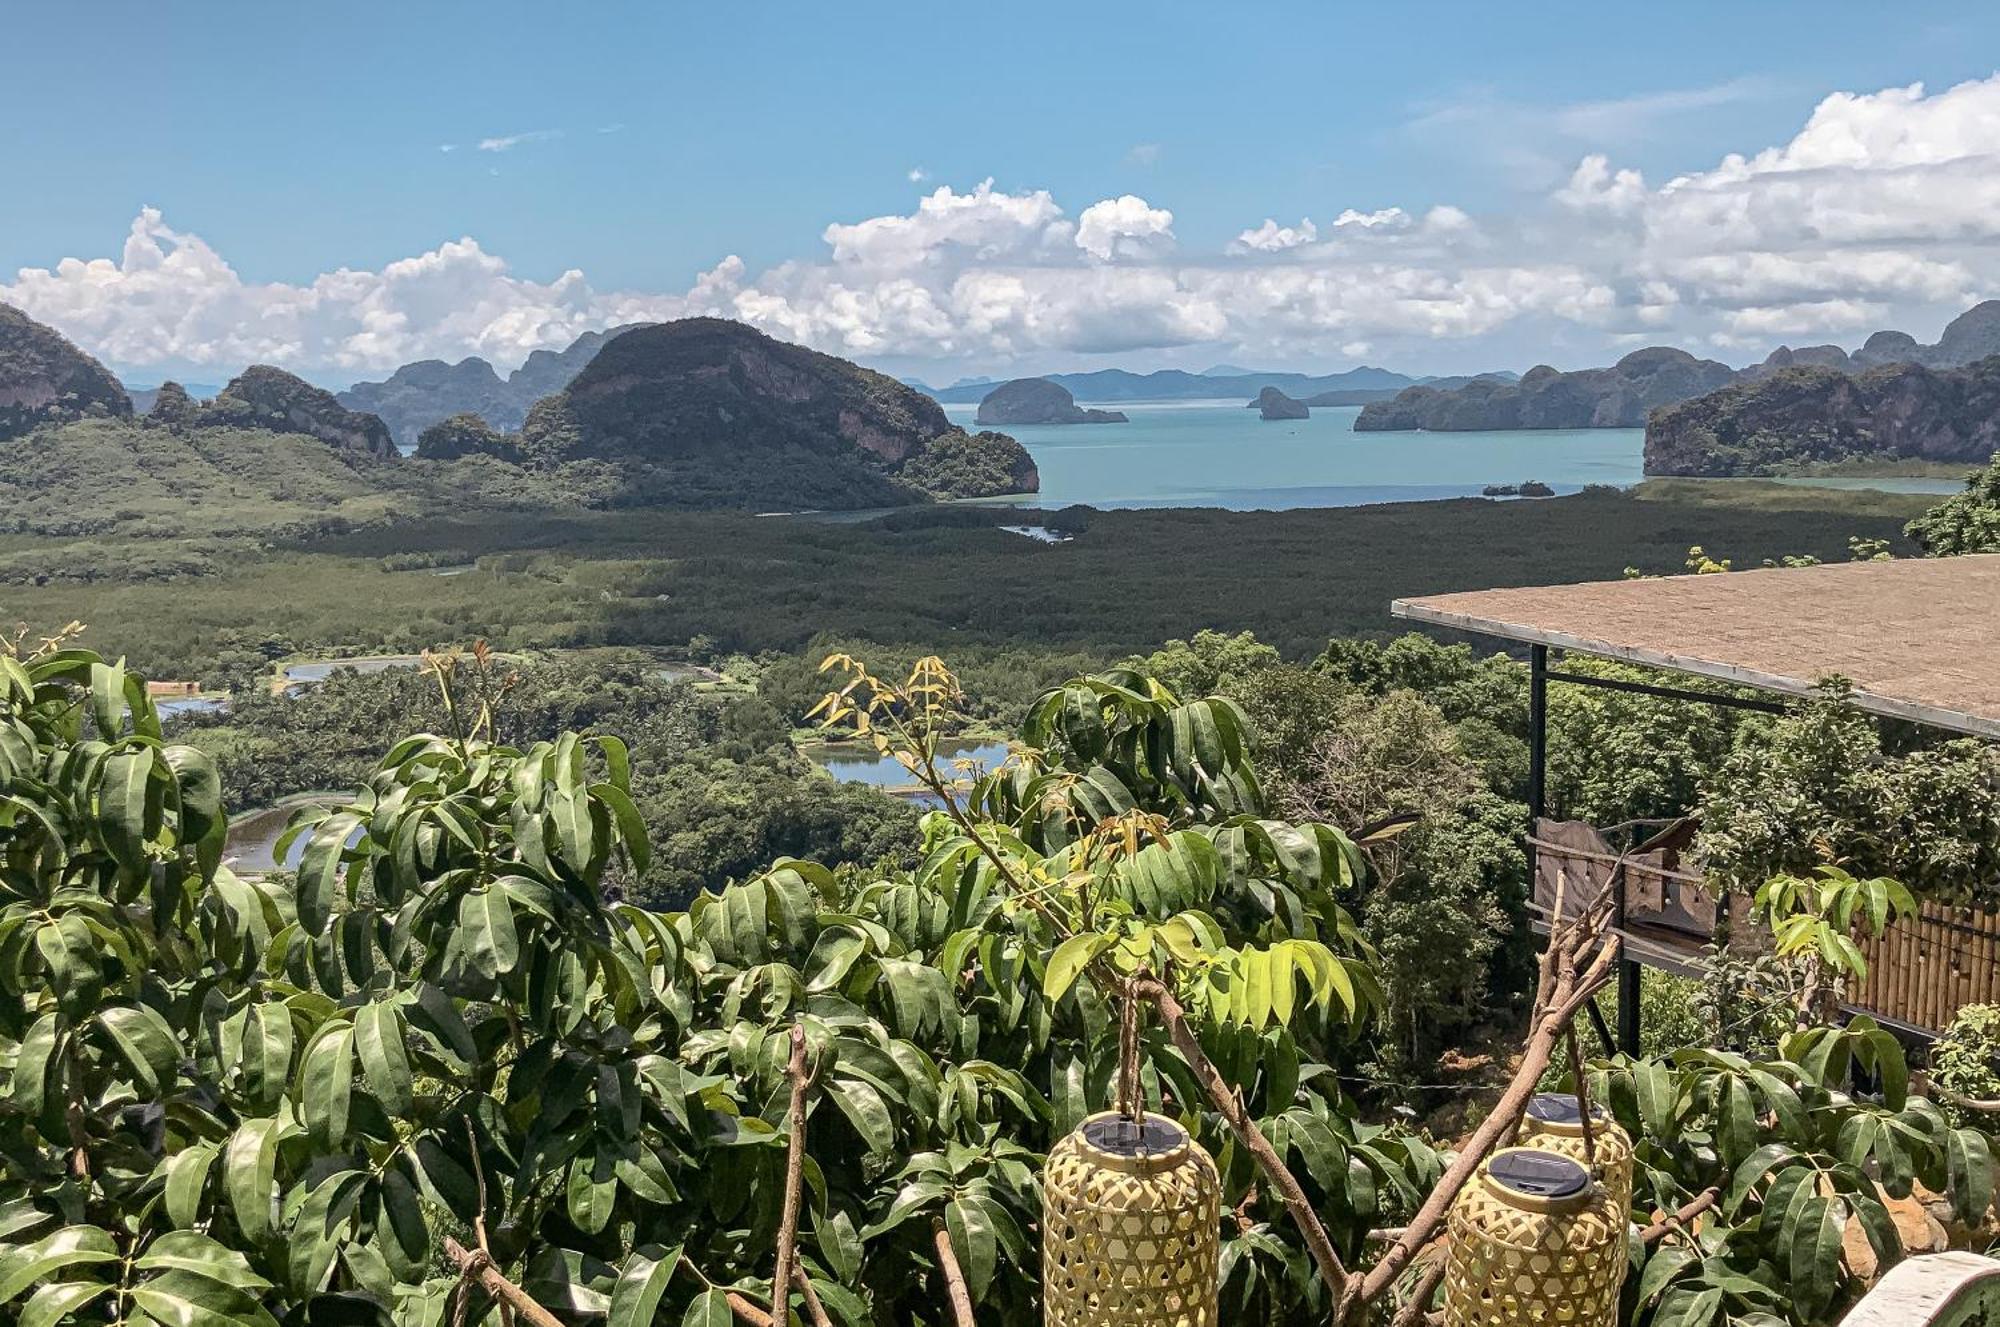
x=1038, y=401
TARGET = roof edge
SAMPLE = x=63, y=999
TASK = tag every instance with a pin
x=1415, y=610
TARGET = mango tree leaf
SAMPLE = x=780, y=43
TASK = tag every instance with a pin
x=635, y=1300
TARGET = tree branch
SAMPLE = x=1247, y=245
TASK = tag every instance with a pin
x=1237, y=1117
x=1419, y=1302
x=954, y=1279
x=480, y=1268
x=1560, y=993
x=814, y=1309
x=795, y=1157
x=1701, y=1202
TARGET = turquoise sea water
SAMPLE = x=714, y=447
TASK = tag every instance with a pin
x=1220, y=454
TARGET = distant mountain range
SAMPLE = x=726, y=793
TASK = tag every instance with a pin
x=419, y=395
x=1624, y=395
x=1180, y=385
x=144, y=397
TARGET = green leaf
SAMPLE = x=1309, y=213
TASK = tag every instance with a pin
x=267, y=1053
x=107, y=699
x=146, y=1043
x=571, y=812
x=57, y=1300
x=1969, y=1173
x=326, y=1083
x=1072, y=956
x=487, y=920
x=249, y=1171
x=1813, y=1253
x=403, y=1215
x=187, y=1175
x=183, y=1299
x=865, y=1110
x=1753, y=1168
x=319, y=870
x=28, y=1088
x=385, y=1062
x=709, y=1309
x=635, y=1300
x=190, y=1251
x=1688, y=1308
x=1662, y=1267
x=121, y=806
x=631, y=825
x=591, y=1194
x=72, y=1246
x=973, y=1243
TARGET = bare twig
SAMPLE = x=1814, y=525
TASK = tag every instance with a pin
x=1419, y=1303
x=1582, y=1097
x=479, y=1221
x=954, y=1279
x=1678, y=1220
x=814, y=1309
x=1237, y=1116
x=1577, y=962
x=795, y=1156
x=475, y=1265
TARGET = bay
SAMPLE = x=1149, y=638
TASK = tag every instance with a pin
x=1220, y=454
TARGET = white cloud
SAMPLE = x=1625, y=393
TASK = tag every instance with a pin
x=1144, y=154
x=1274, y=238
x=508, y=142
x=917, y=175
x=1124, y=227
x=1883, y=210
x=983, y=225
x=1595, y=187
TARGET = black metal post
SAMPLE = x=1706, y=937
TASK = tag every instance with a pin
x=1538, y=748
x=1628, y=1006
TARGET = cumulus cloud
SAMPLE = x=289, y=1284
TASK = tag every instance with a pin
x=1124, y=227
x=1882, y=210
x=1274, y=238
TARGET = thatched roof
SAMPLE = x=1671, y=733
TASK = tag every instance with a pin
x=1918, y=637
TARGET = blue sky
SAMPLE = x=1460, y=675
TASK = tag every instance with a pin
x=656, y=140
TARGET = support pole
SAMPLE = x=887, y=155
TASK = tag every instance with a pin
x=1538, y=747
x=1628, y=1006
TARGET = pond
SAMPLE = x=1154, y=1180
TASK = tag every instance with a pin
x=171, y=707
x=250, y=848
x=853, y=763
x=321, y=669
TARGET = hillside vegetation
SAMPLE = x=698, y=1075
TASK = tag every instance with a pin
x=1811, y=416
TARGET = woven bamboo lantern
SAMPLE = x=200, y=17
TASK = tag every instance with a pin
x=1533, y=1241
x=1131, y=1215
x=1554, y=1123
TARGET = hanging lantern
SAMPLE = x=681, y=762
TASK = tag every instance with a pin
x=1554, y=1123
x=1131, y=1214
x=1533, y=1241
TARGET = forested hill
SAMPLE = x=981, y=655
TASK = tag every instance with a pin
x=704, y=412
x=1624, y=395
x=1617, y=397
x=1818, y=416
x=44, y=379
x=700, y=413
